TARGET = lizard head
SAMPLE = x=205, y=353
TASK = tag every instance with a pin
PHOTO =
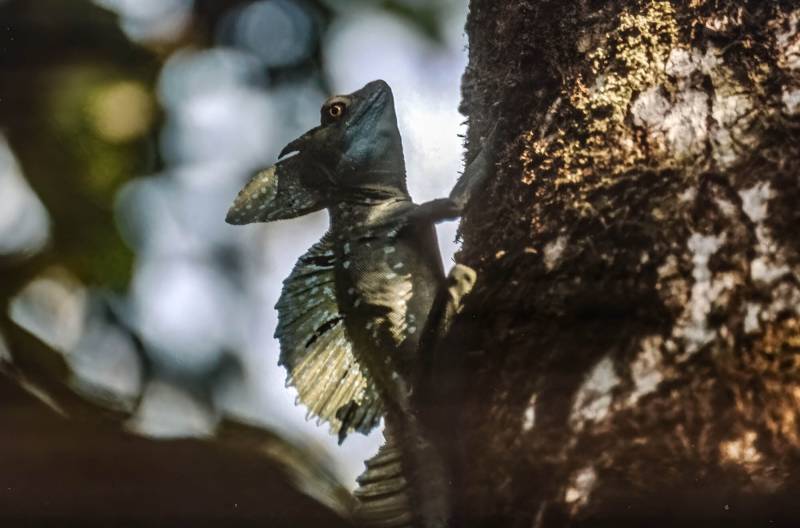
x=357, y=142
x=356, y=148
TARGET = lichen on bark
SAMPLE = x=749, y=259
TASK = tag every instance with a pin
x=627, y=60
x=635, y=325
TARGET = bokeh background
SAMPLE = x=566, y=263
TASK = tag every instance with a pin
x=126, y=129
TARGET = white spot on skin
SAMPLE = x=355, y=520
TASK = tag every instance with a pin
x=392, y=298
x=346, y=264
x=594, y=397
x=346, y=248
x=553, y=251
x=389, y=249
x=398, y=266
x=529, y=416
x=580, y=487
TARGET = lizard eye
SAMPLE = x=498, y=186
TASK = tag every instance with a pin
x=336, y=110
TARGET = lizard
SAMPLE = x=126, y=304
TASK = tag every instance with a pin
x=354, y=308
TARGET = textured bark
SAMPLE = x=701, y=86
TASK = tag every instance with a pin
x=631, y=348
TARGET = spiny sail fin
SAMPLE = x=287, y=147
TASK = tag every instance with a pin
x=316, y=351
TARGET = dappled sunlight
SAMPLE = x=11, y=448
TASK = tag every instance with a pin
x=122, y=111
x=277, y=32
x=52, y=307
x=162, y=138
x=151, y=20
x=24, y=222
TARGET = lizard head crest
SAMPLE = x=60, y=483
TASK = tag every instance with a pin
x=357, y=140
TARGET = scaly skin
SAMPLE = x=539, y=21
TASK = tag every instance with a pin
x=354, y=309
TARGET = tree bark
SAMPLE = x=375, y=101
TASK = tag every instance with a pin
x=630, y=352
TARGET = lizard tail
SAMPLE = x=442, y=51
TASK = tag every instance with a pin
x=404, y=485
x=382, y=494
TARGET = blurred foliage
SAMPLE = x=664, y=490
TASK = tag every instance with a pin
x=86, y=468
x=79, y=108
x=49, y=114
x=83, y=120
x=424, y=15
x=38, y=391
x=77, y=105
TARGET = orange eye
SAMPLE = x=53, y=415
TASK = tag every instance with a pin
x=336, y=110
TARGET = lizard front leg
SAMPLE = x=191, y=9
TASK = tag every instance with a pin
x=475, y=175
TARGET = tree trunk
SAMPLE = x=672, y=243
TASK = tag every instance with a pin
x=630, y=352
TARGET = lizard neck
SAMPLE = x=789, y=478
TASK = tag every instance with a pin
x=365, y=207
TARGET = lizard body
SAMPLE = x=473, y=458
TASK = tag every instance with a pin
x=353, y=311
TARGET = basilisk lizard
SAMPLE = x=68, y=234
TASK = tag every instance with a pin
x=353, y=310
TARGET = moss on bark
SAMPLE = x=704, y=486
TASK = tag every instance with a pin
x=634, y=330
